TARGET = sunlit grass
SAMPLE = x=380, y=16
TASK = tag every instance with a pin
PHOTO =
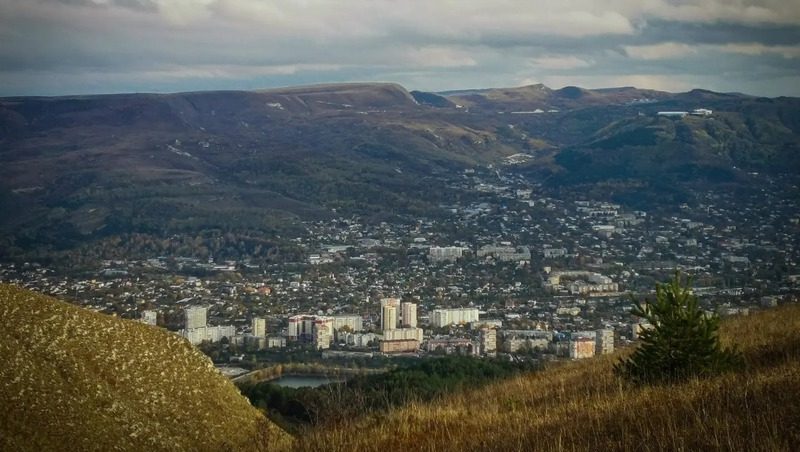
x=72, y=379
x=582, y=406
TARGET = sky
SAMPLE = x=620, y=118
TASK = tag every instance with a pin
x=59, y=47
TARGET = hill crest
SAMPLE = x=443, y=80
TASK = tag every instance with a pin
x=95, y=382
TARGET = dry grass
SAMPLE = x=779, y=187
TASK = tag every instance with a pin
x=72, y=379
x=75, y=380
x=582, y=406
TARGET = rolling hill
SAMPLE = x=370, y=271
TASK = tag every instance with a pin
x=77, y=169
x=82, y=169
x=73, y=379
x=538, y=96
x=691, y=147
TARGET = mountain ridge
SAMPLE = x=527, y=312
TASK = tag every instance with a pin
x=77, y=169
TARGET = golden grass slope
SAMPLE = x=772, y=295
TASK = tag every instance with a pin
x=72, y=379
x=581, y=406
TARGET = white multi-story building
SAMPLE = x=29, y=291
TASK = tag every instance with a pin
x=513, y=344
x=359, y=339
x=388, y=318
x=150, y=317
x=486, y=323
x=488, y=340
x=259, y=327
x=196, y=317
x=581, y=347
x=399, y=334
x=604, y=342
x=515, y=340
x=580, y=282
x=208, y=333
x=408, y=313
x=399, y=346
x=389, y=308
x=354, y=322
x=300, y=327
x=323, y=332
x=396, y=339
x=444, y=317
x=311, y=328
x=216, y=333
x=445, y=253
x=506, y=253
x=675, y=114
x=451, y=345
x=195, y=335
x=549, y=253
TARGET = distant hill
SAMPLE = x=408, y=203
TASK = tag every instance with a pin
x=72, y=379
x=533, y=97
x=82, y=169
x=431, y=99
x=581, y=406
x=692, y=148
x=342, y=96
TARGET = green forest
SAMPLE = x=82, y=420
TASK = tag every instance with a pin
x=415, y=381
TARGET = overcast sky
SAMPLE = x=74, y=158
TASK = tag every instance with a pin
x=52, y=47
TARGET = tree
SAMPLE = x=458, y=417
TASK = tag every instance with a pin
x=345, y=329
x=682, y=342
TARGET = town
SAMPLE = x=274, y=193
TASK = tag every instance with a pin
x=514, y=272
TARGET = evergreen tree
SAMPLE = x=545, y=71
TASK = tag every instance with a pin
x=681, y=342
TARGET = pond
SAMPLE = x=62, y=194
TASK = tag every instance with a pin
x=302, y=381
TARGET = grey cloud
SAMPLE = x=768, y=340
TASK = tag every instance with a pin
x=157, y=45
x=719, y=33
x=137, y=5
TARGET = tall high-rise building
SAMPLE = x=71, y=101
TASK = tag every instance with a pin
x=259, y=327
x=322, y=332
x=388, y=318
x=311, y=328
x=196, y=317
x=300, y=327
x=408, y=312
x=605, y=342
x=488, y=338
x=389, y=308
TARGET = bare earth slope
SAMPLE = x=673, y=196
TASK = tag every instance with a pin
x=72, y=379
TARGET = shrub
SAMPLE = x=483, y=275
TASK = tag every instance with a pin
x=682, y=341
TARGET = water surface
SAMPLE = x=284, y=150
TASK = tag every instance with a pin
x=303, y=381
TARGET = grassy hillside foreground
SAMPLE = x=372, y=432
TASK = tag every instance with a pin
x=71, y=379
x=582, y=406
